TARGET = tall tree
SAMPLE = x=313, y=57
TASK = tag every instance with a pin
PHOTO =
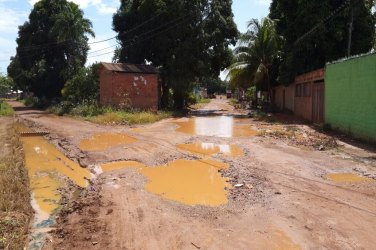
x=254, y=56
x=329, y=42
x=186, y=40
x=51, y=47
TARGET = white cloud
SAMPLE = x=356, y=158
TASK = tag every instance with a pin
x=103, y=8
x=10, y=20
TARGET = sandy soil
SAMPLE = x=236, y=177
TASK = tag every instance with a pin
x=285, y=203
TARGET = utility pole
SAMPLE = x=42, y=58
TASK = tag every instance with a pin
x=351, y=24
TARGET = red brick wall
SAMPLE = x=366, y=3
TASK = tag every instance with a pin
x=137, y=90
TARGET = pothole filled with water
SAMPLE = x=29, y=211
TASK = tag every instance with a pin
x=191, y=182
x=104, y=141
x=46, y=168
x=216, y=126
x=347, y=177
x=210, y=149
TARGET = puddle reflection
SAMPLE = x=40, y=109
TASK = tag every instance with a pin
x=212, y=148
x=217, y=126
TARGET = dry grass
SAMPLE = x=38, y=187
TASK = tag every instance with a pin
x=130, y=117
x=15, y=208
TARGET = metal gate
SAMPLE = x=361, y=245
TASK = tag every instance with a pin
x=318, y=99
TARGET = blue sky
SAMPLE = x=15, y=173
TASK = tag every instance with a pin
x=15, y=12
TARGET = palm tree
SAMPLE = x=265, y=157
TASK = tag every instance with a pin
x=254, y=55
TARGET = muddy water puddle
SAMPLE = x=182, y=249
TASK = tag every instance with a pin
x=216, y=126
x=209, y=149
x=186, y=181
x=347, y=177
x=47, y=168
x=104, y=141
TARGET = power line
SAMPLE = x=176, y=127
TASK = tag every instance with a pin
x=70, y=41
x=323, y=21
x=130, y=42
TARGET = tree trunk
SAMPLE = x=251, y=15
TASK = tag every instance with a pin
x=178, y=100
x=164, y=94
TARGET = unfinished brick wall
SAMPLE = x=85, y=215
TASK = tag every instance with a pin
x=137, y=90
x=303, y=103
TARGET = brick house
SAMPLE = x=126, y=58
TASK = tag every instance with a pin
x=304, y=97
x=130, y=85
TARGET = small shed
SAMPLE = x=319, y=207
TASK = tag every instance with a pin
x=129, y=85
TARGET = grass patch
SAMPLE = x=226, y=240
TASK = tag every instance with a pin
x=15, y=208
x=203, y=100
x=108, y=115
x=131, y=118
x=5, y=109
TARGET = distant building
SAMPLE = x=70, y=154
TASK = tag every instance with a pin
x=129, y=85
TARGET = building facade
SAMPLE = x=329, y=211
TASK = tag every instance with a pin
x=129, y=86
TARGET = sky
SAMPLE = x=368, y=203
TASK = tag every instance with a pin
x=15, y=12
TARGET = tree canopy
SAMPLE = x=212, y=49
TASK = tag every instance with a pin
x=329, y=42
x=256, y=53
x=186, y=40
x=52, y=46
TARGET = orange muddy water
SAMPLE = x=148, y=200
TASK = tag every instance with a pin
x=217, y=126
x=46, y=165
x=211, y=149
x=186, y=181
x=104, y=141
x=347, y=177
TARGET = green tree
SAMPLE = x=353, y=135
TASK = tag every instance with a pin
x=254, y=57
x=6, y=84
x=52, y=46
x=329, y=42
x=83, y=87
x=186, y=40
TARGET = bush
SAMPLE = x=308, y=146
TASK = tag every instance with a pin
x=83, y=87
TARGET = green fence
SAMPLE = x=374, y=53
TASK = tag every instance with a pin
x=350, y=96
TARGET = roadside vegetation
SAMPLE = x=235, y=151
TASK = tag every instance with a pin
x=15, y=208
x=5, y=109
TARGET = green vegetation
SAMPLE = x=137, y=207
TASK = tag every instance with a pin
x=52, y=47
x=190, y=41
x=108, y=115
x=5, y=109
x=15, y=208
x=6, y=84
x=329, y=42
x=83, y=87
x=130, y=118
x=254, y=56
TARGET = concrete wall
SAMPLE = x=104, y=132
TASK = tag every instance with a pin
x=135, y=90
x=351, y=96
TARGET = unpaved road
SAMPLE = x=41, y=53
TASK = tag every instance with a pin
x=286, y=201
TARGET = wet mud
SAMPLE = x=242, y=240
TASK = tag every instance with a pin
x=47, y=169
x=104, y=141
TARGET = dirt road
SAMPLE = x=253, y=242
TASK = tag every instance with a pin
x=281, y=197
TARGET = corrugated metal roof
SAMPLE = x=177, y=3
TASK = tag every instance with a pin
x=130, y=68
